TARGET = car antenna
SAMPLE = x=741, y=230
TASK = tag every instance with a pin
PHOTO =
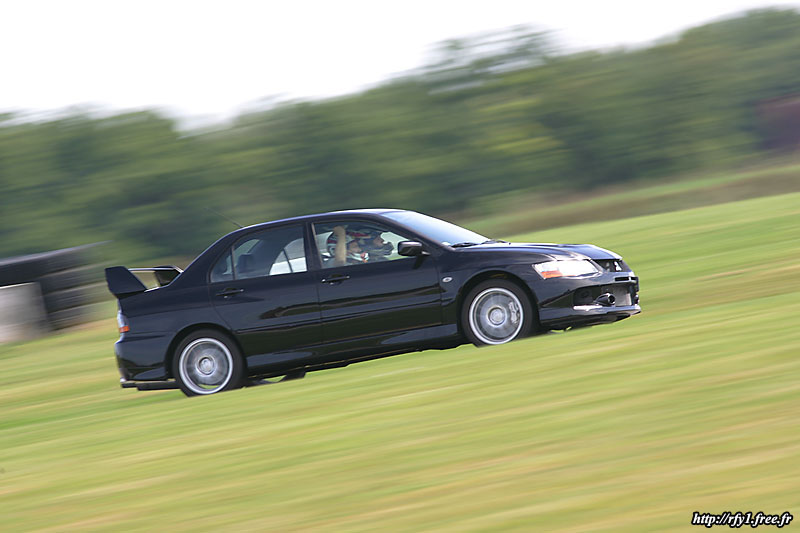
x=229, y=219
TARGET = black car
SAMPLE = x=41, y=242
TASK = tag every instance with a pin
x=320, y=291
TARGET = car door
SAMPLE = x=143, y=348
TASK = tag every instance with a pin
x=375, y=291
x=263, y=290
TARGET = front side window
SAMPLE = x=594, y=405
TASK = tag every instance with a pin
x=354, y=242
x=268, y=253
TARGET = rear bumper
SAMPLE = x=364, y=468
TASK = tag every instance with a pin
x=142, y=357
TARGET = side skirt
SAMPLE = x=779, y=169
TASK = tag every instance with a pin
x=343, y=353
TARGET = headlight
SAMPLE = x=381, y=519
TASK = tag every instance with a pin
x=568, y=268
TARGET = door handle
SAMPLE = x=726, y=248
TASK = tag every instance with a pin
x=336, y=278
x=229, y=292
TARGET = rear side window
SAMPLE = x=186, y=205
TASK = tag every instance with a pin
x=222, y=271
x=268, y=253
x=291, y=259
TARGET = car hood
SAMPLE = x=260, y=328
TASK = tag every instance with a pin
x=575, y=251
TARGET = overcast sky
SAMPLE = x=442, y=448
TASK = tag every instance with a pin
x=197, y=58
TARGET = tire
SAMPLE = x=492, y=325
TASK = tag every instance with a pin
x=66, y=299
x=22, y=270
x=69, y=279
x=67, y=318
x=66, y=259
x=207, y=362
x=496, y=311
x=29, y=268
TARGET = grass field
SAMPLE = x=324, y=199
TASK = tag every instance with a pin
x=691, y=406
x=515, y=212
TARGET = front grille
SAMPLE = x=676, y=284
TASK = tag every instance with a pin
x=612, y=265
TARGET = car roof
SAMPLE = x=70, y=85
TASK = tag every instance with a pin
x=302, y=218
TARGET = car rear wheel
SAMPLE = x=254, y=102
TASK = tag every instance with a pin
x=496, y=311
x=207, y=362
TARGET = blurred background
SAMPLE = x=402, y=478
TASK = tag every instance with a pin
x=667, y=132
x=506, y=120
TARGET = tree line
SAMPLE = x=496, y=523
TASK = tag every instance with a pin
x=490, y=115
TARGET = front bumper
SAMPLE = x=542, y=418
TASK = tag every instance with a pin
x=148, y=385
x=585, y=315
x=573, y=302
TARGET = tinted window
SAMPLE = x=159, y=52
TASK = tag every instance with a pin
x=267, y=253
x=222, y=271
x=365, y=242
x=291, y=259
x=435, y=229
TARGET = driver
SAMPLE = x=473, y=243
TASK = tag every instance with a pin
x=373, y=243
x=360, y=244
x=344, y=247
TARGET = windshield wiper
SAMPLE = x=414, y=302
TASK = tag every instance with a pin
x=494, y=241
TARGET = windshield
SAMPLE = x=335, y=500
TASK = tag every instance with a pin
x=435, y=229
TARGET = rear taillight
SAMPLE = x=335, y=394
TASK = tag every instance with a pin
x=122, y=322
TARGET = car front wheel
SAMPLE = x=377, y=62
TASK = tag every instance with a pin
x=496, y=311
x=207, y=362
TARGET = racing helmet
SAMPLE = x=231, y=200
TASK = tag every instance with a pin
x=354, y=235
x=367, y=243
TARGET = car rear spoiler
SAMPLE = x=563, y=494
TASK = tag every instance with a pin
x=122, y=282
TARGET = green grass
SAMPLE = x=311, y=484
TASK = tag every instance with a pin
x=691, y=406
x=516, y=212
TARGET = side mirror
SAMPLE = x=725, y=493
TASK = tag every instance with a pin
x=410, y=248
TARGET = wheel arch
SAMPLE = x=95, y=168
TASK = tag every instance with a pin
x=496, y=274
x=188, y=330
